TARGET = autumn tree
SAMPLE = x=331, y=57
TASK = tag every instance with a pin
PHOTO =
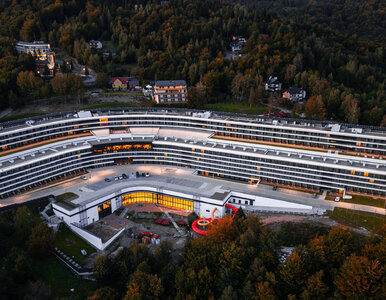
x=315, y=109
x=315, y=288
x=351, y=109
x=222, y=230
x=197, y=97
x=360, y=277
x=263, y=292
x=293, y=273
x=67, y=85
x=105, y=293
x=144, y=286
x=102, y=80
x=29, y=84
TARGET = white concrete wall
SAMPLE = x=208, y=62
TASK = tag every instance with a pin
x=88, y=237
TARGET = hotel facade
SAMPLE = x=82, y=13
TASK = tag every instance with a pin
x=304, y=154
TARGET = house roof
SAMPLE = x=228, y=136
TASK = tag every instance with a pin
x=294, y=90
x=163, y=83
x=121, y=79
x=133, y=82
x=271, y=80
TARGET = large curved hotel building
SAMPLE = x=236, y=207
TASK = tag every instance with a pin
x=299, y=153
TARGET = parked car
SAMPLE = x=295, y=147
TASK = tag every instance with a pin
x=337, y=199
x=137, y=174
x=116, y=178
x=107, y=179
x=120, y=177
x=274, y=188
x=124, y=176
x=147, y=174
x=143, y=174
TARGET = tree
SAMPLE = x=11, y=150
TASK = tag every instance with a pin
x=252, y=97
x=315, y=288
x=360, y=277
x=102, y=80
x=67, y=85
x=144, y=286
x=105, y=270
x=293, y=273
x=105, y=293
x=315, y=109
x=222, y=230
x=29, y=84
x=41, y=241
x=351, y=109
x=263, y=292
x=24, y=221
x=197, y=97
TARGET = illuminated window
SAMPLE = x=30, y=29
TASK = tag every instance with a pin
x=371, y=180
x=358, y=143
x=366, y=174
x=193, y=149
x=202, y=150
x=352, y=172
x=198, y=158
x=166, y=154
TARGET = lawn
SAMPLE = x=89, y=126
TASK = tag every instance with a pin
x=61, y=280
x=71, y=244
x=240, y=107
x=363, y=200
x=123, y=93
x=111, y=105
x=366, y=201
x=367, y=220
x=66, y=196
x=21, y=116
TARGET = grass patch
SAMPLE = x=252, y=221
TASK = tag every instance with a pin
x=111, y=105
x=367, y=220
x=60, y=279
x=364, y=200
x=240, y=107
x=66, y=196
x=21, y=116
x=123, y=93
x=71, y=244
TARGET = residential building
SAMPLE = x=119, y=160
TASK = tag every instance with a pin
x=295, y=94
x=170, y=91
x=133, y=84
x=41, y=51
x=237, y=43
x=95, y=44
x=119, y=83
x=272, y=84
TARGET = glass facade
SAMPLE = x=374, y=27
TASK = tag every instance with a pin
x=159, y=199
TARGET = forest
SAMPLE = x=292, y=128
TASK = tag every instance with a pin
x=342, y=73
x=237, y=259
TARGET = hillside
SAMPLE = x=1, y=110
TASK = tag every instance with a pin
x=186, y=39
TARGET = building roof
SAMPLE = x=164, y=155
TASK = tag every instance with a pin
x=163, y=83
x=271, y=80
x=121, y=79
x=294, y=90
x=133, y=82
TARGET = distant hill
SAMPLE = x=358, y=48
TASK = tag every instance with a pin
x=365, y=18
